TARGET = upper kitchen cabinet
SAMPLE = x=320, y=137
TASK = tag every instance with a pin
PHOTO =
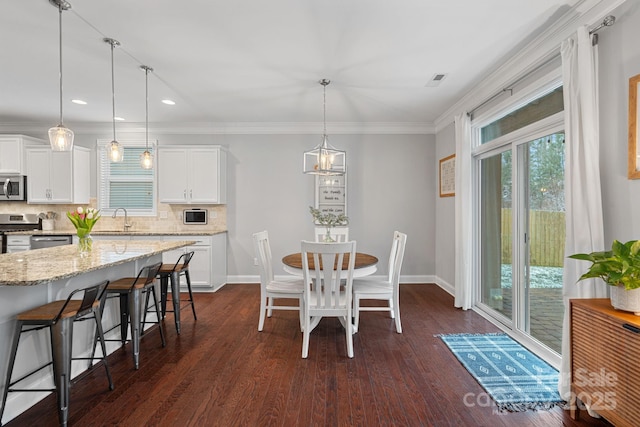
x=58, y=176
x=12, y=153
x=192, y=174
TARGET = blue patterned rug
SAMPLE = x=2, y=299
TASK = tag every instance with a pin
x=515, y=378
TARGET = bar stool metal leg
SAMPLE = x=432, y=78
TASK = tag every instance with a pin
x=100, y=333
x=12, y=360
x=175, y=295
x=135, y=316
x=193, y=305
x=61, y=339
x=124, y=316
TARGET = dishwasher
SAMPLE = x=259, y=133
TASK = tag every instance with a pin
x=39, y=242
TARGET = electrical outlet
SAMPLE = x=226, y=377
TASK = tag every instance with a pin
x=163, y=215
x=213, y=214
x=255, y=261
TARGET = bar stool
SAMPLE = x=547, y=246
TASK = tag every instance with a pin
x=173, y=272
x=130, y=290
x=59, y=317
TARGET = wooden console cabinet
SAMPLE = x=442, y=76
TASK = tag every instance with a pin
x=605, y=370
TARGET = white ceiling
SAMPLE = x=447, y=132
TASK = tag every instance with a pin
x=256, y=61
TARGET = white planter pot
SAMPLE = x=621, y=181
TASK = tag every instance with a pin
x=621, y=299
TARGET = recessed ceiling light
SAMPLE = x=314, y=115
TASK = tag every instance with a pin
x=79, y=101
x=118, y=118
x=168, y=102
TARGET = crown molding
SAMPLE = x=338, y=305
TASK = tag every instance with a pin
x=235, y=128
x=537, y=51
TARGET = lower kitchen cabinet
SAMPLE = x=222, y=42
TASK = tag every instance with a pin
x=208, y=267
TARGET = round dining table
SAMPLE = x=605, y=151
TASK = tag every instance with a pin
x=365, y=264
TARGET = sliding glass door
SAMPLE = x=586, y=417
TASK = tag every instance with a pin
x=496, y=229
x=542, y=245
x=521, y=236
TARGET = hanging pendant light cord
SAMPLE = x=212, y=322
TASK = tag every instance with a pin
x=146, y=100
x=113, y=92
x=324, y=106
x=60, y=47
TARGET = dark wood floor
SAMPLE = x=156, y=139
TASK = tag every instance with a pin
x=222, y=372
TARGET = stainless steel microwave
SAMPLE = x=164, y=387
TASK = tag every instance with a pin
x=194, y=216
x=13, y=187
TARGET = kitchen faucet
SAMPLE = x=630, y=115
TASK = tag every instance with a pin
x=126, y=220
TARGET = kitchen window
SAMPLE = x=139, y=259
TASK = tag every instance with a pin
x=126, y=184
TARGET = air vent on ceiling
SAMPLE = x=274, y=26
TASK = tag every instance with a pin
x=436, y=80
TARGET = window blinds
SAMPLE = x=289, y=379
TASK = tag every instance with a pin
x=126, y=184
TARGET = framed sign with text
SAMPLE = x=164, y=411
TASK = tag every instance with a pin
x=447, y=176
x=331, y=194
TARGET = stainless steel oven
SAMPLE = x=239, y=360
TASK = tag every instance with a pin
x=13, y=187
x=17, y=222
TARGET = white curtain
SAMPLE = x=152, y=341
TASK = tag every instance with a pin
x=584, y=225
x=464, y=214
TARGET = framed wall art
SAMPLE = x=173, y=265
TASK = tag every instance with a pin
x=634, y=122
x=447, y=176
x=331, y=194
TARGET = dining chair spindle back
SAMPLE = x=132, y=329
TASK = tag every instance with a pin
x=337, y=234
x=382, y=289
x=270, y=288
x=324, y=294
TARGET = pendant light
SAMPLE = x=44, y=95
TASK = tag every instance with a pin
x=146, y=158
x=116, y=150
x=60, y=137
x=325, y=159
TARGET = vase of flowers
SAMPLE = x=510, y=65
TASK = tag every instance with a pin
x=329, y=220
x=83, y=219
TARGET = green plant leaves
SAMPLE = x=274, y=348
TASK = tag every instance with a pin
x=619, y=266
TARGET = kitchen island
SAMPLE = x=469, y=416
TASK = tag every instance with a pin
x=33, y=278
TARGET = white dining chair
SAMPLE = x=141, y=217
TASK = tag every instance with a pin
x=327, y=298
x=271, y=289
x=338, y=234
x=387, y=289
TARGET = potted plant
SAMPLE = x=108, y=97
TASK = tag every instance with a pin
x=620, y=268
x=329, y=220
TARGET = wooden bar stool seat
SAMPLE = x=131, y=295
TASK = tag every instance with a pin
x=130, y=290
x=172, y=272
x=59, y=317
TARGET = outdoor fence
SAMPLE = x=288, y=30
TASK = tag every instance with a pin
x=546, y=238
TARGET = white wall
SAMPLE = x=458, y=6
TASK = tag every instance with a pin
x=445, y=214
x=619, y=59
x=391, y=185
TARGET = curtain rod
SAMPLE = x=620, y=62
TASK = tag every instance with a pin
x=606, y=22
x=509, y=87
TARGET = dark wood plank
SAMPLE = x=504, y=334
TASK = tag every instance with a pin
x=221, y=371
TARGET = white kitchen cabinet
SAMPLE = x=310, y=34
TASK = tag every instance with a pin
x=58, y=176
x=18, y=242
x=192, y=175
x=208, y=267
x=12, y=153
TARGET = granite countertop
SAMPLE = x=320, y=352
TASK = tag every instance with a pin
x=41, y=266
x=117, y=233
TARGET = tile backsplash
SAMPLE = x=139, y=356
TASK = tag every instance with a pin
x=172, y=222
